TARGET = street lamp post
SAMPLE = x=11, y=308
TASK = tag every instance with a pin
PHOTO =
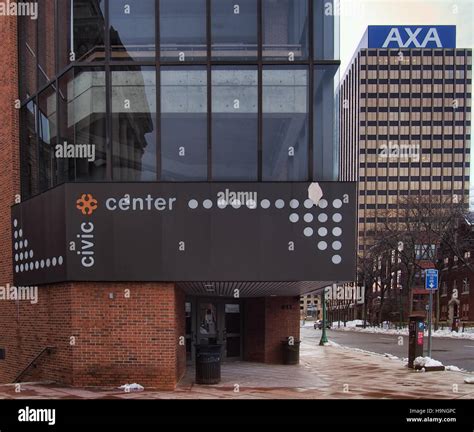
x=324, y=338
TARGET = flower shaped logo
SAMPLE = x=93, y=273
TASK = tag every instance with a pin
x=87, y=204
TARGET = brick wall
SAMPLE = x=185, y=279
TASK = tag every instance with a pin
x=267, y=322
x=254, y=330
x=9, y=184
x=104, y=334
x=466, y=299
x=282, y=319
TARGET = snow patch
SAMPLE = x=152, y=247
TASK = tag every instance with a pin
x=391, y=356
x=423, y=362
x=129, y=388
x=453, y=368
x=357, y=325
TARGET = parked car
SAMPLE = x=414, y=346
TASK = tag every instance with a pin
x=318, y=325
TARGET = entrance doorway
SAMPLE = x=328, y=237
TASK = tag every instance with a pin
x=212, y=321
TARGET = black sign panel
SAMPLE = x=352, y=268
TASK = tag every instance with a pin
x=188, y=232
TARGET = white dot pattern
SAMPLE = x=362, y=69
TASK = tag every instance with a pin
x=24, y=257
x=324, y=213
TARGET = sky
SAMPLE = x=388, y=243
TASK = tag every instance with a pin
x=356, y=15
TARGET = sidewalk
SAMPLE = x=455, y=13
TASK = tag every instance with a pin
x=329, y=372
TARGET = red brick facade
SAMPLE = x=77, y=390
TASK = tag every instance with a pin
x=267, y=322
x=456, y=276
x=9, y=176
x=103, y=334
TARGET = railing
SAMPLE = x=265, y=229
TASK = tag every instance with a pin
x=47, y=350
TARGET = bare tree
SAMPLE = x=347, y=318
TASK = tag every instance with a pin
x=408, y=239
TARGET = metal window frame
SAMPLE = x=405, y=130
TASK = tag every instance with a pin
x=108, y=63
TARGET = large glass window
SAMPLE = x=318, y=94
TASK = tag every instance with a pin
x=27, y=43
x=285, y=123
x=46, y=45
x=82, y=127
x=183, y=123
x=193, y=141
x=134, y=124
x=132, y=29
x=47, y=134
x=88, y=30
x=285, y=29
x=326, y=29
x=234, y=29
x=325, y=123
x=28, y=151
x=183, y=30
x=234, y=123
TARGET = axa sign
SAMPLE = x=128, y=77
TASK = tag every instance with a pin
x=412, y=37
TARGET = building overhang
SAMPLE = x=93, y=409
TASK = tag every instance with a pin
x=260, y=238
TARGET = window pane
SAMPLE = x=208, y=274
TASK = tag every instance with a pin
x=132, y=29
x=326, y=29
x=184, y=123
x=134, y=124
x=65, y=49
x=28, y=150
x=82, y=127
x=27, y=42
x=183, y=29
x=46, y=45
x=234, y=123
x=325, y=121
x=47, y=131
x=88, y=36
x=285, y=123
x=234, y=29
x=285, y=29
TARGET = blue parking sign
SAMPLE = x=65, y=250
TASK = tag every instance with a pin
x=431, y=279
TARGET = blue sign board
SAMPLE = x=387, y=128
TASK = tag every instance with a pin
x=412, y=36
x=431, y=279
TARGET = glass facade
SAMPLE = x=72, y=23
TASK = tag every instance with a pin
x=183, y=34
x=82, y=127
x=134, y=124
x=285, y=30
x=178, y=90
x=285, y=123
x=132, y=29
x=234, y=30
x=184, y=123
x=235, y=123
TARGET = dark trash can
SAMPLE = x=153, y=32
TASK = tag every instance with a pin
x=291, y=352
x=208, y=364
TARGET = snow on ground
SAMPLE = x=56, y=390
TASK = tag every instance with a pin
x=453, y=369
x=129, y=388
x=426, y=362
x=391, y=356
x=445, y=333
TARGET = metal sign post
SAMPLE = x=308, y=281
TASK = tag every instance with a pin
x=431, y=284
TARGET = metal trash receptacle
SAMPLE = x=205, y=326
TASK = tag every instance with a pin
x=291, y=352
x=208, y=364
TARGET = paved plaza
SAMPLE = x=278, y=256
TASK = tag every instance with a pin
x=330, y=372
